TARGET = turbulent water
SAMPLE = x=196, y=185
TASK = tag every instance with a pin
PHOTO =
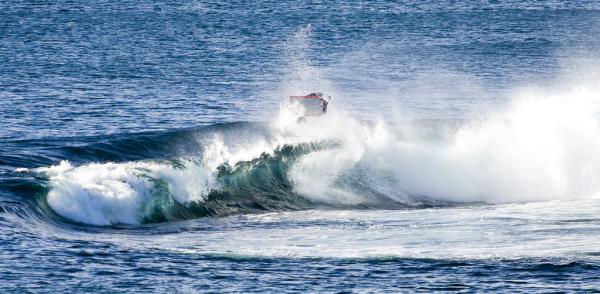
x=150, y=146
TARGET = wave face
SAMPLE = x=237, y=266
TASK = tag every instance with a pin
x=156, y=191
x=540, y=147
x=276, y=170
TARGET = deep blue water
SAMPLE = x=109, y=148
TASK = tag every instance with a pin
x=147, y=146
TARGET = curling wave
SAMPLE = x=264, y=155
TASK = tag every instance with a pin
x=540, y=147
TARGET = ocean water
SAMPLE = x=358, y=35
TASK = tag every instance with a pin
x=150, y=146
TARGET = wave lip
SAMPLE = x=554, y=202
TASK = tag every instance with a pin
x=158, y=191
x=538, y=148
x=148, y=192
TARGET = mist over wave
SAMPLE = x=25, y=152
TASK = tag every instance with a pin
x=541, y=145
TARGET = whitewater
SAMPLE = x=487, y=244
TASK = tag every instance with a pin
x=538, y=146
x=518, y=183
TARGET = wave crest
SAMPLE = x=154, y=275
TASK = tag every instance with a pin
x=540, y=147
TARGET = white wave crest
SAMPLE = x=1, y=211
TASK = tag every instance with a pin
x=115, y=193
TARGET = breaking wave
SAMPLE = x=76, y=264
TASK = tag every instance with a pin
x=540, y=147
